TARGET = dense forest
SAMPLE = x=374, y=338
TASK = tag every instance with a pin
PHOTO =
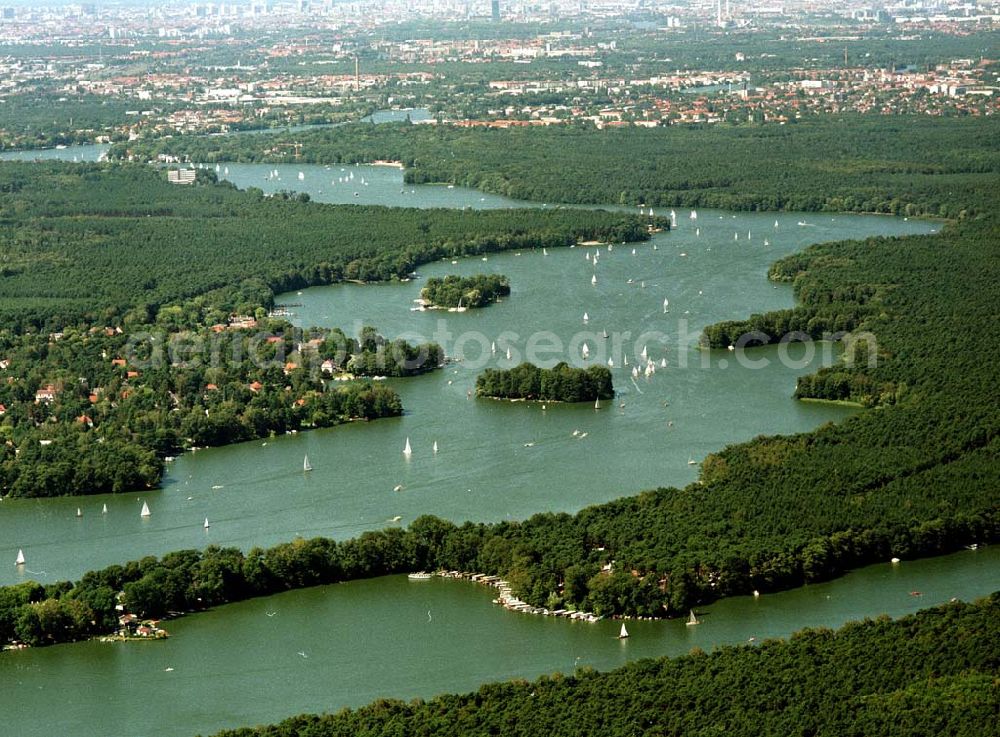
x=465, y=291
x=561, y=383
x=902, y=165
x=89, y=244
x=930, y=673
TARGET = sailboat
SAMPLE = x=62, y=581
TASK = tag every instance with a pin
x=435, y=448
x=663, y=363
x=694, y=214
x=736, y=236
x=585, y=351
x=666, y=305
x=206, y=523
x=508, y=353
x=104, y=509
x=697, y=231
x=775, y=223
x=691, y=461
x=604, y=334
x=586, y=317
x=545, y=252
x=692, y=620
x=19, y=561
x=593, y=280
x=407, y=450
x=79, y=512
x=145, y=510
x=306, y=465
x=748, y=235
x=301, y=176
x=611, y=363
x=623, y=633
x=597, y=403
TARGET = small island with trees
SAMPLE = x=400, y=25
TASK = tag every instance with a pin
x=457, y=292
x=561, y=383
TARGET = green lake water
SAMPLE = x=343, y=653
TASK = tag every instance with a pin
x=391, y=637
x=346, y=645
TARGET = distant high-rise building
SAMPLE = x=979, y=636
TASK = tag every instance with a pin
x=495, y=7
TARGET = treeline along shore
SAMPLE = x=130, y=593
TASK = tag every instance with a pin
x=932, y=672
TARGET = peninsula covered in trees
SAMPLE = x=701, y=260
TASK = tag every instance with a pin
x=561, y=383
x=116, y=288
x=464, y=291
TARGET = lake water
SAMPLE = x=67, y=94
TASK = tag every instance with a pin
x=87, y=152
x=496, y=460
x=346, y=645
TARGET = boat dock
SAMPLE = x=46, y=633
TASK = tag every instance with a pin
x=509, y=601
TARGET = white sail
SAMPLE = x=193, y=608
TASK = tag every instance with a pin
x=585, y=351
x=545, y=252
x=206, y=523
x=663, y=363
x=666, y=305
x=775, y=223
x=104, y=509
x=586, y=317
x=407, y=450
x=19, y=561
x=694, y=214
x=306, y=465
x=508, y=353
x=697, y=231
x=622, y=633
x=145, y=510
x=736, y=236
x=692, y=620
x=301, y=176
x=593, y=280
x=435, y=448
x=611, y=363
x=79, y=512
x=644, y=354
x=597, y=403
